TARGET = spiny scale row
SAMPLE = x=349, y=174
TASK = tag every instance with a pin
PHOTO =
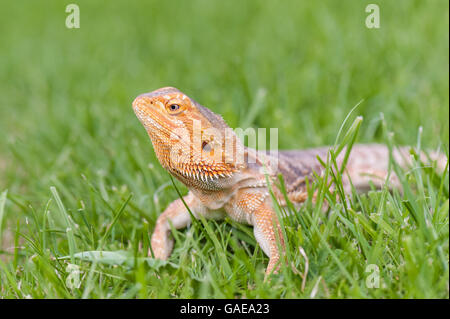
x=205, y=171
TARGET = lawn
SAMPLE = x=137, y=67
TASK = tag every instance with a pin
x=78, y=172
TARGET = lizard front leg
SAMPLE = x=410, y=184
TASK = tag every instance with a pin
x=176, y=214
x=266, y=228
x=255, y=207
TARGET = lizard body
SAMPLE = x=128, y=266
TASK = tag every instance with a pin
x=224, y=177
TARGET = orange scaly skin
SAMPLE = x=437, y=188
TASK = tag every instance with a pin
x=220, y=185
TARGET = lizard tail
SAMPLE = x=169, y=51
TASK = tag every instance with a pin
x=369, y=163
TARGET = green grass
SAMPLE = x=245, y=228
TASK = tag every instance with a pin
x=81, y=175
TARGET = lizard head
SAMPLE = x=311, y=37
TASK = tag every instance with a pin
x=190, y=141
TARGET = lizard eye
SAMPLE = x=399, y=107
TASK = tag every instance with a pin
x=174, y=108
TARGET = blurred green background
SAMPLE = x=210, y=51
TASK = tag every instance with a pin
x=65, y=94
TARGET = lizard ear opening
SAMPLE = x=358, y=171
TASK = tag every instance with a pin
x=206, y=147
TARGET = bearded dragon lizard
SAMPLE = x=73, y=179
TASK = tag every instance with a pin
x=225, y=178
